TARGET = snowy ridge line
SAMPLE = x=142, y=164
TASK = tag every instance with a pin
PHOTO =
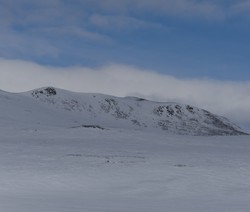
x=49, y=106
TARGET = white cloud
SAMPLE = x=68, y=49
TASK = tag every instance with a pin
x=230, y=99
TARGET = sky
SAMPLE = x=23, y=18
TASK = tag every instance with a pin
x=191, y=51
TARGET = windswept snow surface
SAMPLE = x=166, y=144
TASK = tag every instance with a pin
x=58, y=156
x=95, y=170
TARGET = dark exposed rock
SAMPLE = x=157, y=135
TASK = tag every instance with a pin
x=190, y=109
x=49, y=91
x=90, y=126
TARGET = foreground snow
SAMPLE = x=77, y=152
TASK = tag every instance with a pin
x=94, y=170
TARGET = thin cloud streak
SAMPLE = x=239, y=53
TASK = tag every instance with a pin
x=230, y=99
x=74, y=31
x=214, y=10
x=113, y=22
x=13, y=45
x=182, y=8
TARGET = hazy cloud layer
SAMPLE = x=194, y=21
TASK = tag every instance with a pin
x=231, y=99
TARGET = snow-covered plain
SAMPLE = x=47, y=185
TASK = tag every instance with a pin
x=93, y=170
x=50, y=164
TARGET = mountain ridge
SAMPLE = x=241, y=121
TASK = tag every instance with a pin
x=49, y=106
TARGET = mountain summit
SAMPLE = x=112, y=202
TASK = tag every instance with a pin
x=56, y=107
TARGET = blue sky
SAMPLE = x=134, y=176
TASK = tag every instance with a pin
x=182, y=38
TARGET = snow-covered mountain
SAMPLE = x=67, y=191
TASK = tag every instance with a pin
x=52, y=107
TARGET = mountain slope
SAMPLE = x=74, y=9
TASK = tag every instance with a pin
x=56, y=107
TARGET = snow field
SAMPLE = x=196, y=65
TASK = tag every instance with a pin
x=93, y=170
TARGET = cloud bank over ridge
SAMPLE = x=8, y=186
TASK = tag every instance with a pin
x=227, y=98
